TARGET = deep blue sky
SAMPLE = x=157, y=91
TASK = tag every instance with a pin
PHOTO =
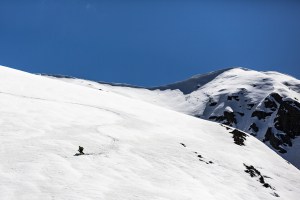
x=149, y=42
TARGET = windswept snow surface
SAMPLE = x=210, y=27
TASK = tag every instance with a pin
x=135, y=150
x=246, y=95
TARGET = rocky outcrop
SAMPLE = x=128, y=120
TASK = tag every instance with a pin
x=239, y=137
x=286, y=123
x=271, y=104
x=261, y=114
x=288, y=118
x=254, y=127
x=233, y=97
x=228, y=118
x=275, y=141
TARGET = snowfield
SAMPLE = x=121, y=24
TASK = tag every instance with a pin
x=134, y=149
x=263, y=104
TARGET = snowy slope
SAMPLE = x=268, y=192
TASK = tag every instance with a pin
x=136, y=150
x=264, y=104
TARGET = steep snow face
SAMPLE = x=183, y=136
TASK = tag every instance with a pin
x=264, y=104
x=134, y=149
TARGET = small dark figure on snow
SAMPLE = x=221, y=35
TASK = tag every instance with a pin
x=80, y=150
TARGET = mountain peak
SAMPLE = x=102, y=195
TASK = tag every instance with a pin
x=193, y=83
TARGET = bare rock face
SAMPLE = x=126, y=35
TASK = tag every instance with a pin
x=261, y=114
x=275, y=142
x=233, y=97
x=288, y=118
x=228, y=118
x=282, y=115
x=286, y=123
x=270, y=104
x=254, y=127
x=276, y=97
x=239, y=137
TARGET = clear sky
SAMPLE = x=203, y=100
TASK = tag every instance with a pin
x=149, y=42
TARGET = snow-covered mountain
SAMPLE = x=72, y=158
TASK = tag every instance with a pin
x=134, y=149
x=263, y=104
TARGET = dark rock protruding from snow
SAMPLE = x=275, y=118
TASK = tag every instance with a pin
x=286, y=124
x=254, y=127
x=270, y=104
x=261, y=114
x=239, y=137
x=183, y=144
x=233, y=97
x=275, y=141
x=228, y=118
x=253, y=172
x=288, y=118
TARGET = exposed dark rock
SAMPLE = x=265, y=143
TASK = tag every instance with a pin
x=233, y=97
x=210, y=162
x=254, y=127
x=270, y=104
x=253, y=172
x=243, y=90
x=275, y=194
x=240, y=113
x=228, y=118
x=227, y=128
x=287, y=123
x=239, y=137
x=203, y=159
x=183, y=144
x=288, y=118
x=277, y=97
x=213, y=103
x=266, y=79
x=199, y=156
x=261, y=114
x=250, y=106
x=274, y=141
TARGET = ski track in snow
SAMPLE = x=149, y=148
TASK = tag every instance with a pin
x=57, y=101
